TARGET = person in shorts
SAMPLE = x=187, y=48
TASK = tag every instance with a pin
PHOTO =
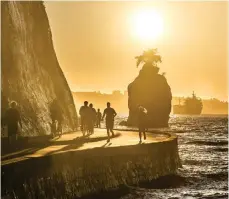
x=142, y=118
x=110, y=114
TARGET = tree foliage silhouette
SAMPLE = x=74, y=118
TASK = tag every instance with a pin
x=149, y=57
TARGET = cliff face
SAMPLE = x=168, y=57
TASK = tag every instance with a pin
x=152, y=91
x=31, y=74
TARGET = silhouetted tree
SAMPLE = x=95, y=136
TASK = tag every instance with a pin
x=149, y=57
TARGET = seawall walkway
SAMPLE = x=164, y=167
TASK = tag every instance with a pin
x=82, y=166
x=76, y=142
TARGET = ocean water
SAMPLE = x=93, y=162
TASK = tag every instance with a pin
x=203, y=150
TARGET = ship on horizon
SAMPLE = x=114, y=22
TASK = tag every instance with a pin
x=192, y=106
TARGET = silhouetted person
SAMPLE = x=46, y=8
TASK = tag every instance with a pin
x=84, y=116
x=56, y=116
x=110, y=114
x=98, y=118
x=92, y=118
x=142, y=117
x=12, y=119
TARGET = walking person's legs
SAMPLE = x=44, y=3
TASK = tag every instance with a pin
x=83, y=125
x=97, y=123
x=140, y=136
x=12, y=135
x=84, y=128
x=112, y=132
x=144, y=133
x=108, y=135
x=9, y=132
x=108, y=130
x=92, y=126
x=87, y=127
x=14, y=141
x=111, y=126
x=59, y=128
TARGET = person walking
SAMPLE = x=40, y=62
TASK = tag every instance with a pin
x=110, y=114
x=98, y=118
x=92, y=118
x=12, y=119
x=84, y=117
x=57, y=118
x=142, y=117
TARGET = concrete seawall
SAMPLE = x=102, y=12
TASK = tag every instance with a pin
x=88, y=171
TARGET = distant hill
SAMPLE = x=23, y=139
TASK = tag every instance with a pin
x=120, y=102
x=99, y=100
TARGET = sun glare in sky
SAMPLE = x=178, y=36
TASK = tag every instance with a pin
x=147, y=25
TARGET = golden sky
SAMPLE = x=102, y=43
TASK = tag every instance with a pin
x=96, y=45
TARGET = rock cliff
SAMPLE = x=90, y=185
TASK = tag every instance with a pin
x=151, y=91
x=31, y=74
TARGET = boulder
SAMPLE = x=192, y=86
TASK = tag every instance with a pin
x=152, y=91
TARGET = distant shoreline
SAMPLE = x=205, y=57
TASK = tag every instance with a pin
x=202, y=115
x=119, y=101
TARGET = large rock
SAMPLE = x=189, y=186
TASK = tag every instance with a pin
x=31, y=74
x=152, y=91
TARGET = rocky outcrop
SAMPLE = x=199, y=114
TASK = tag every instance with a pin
x=31, y=74
x=152, y=91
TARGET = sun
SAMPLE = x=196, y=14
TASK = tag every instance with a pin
x=147, y=25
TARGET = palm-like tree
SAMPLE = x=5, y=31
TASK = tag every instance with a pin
x=149, y=57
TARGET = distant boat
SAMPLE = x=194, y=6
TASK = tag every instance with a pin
x=192, y=106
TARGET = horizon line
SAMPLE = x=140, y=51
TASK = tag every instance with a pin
x=123, y=91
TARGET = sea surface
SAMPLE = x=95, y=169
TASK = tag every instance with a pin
x=203, y=150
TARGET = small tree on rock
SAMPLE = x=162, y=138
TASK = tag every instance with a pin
x=149, y=57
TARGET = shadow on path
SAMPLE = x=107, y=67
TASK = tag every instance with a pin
x=31, y=148
x=85, y=139
x=79, y=142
